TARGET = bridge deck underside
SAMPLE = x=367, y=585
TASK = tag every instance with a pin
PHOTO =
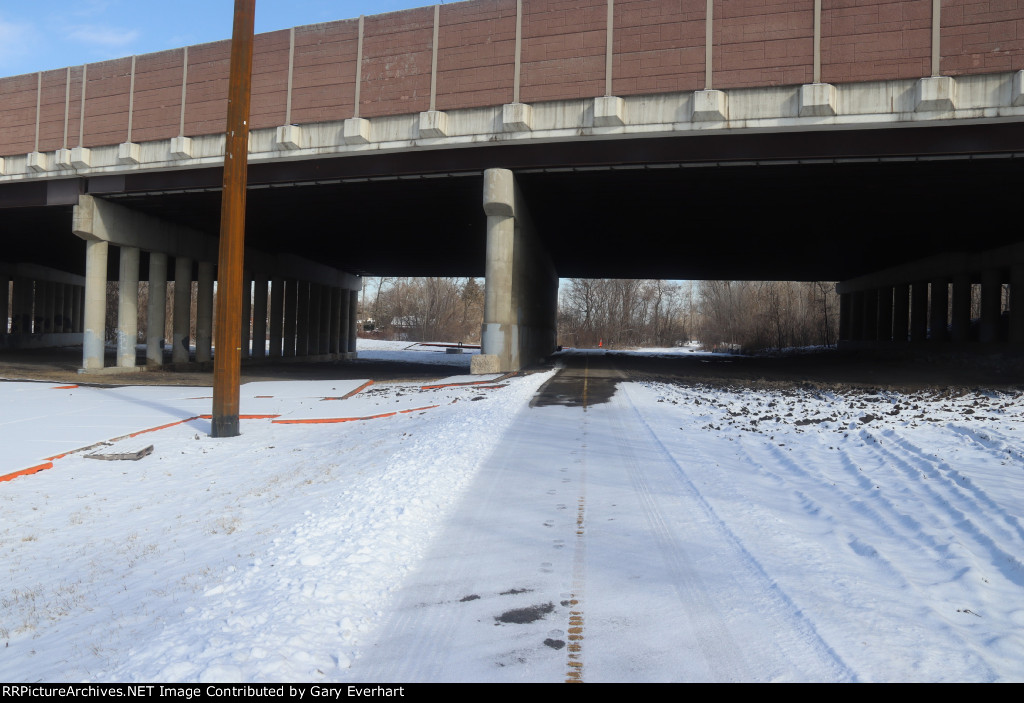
x=631, y=212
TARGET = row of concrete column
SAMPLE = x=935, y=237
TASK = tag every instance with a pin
x=936, y=310
x=304, y=318
x=39, y=306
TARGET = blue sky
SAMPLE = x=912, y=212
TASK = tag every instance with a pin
x=46, y=34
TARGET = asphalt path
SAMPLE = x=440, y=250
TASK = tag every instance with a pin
x=574, y=557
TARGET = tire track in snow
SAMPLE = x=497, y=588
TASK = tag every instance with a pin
x=862, y=497
x=824, y=658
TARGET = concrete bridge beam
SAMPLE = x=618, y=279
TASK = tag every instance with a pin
x=156, y=314
x=521, y=289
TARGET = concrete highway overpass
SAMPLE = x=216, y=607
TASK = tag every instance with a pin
x=874, y=143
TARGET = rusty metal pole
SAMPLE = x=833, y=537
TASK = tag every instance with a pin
x=228, y=362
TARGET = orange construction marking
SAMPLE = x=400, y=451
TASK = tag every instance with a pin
x=26, y=472
x=327, y=420
x=412, y=410
x=362, y=387
x=63, y=388
x=161, y=427
x=242, y=417
x=467, y=383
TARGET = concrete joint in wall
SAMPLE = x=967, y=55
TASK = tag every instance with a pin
x=181, y=148
x=1017, y=89
x=817, y=100
x=62, y=158
x=936, y=93
x=81, y=157
x=517, y=117
x=433, y=124
x=710, y=106
x=128, y=153
x=609, y=111
x=288, y=137
x=357, y=131
x=37, y=161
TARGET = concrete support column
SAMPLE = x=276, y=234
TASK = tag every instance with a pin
x=204, y=312
x=353, y=322
x=246, y=340
x=156, y=313
x=302, y=319
x=314, y=319
x=870, y=315
x=857, y=316
x=343, y=317
x=1017, y=305
x=95, y=304
x=335, y=347
x=58, y=308
x=291, y=304
x=259, y=316
x=844, y=316
x=275, y=324
x=50, y=314
x=325, y=320
x=21, y=304
x=884, y=314
x=276, y=312
x=918, y=311
x=939, y=309
x=181, y=337
x=127, y=306
x=991, y=304
x=67, y=307
x=961, y=307
x=900, y=312
x=521, y=290
x=77, y=308
x=42, y=300
x=5, y=302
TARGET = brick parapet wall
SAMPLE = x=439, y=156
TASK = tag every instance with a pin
x=658, y=46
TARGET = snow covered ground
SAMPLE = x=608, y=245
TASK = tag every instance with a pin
x=677, y=532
